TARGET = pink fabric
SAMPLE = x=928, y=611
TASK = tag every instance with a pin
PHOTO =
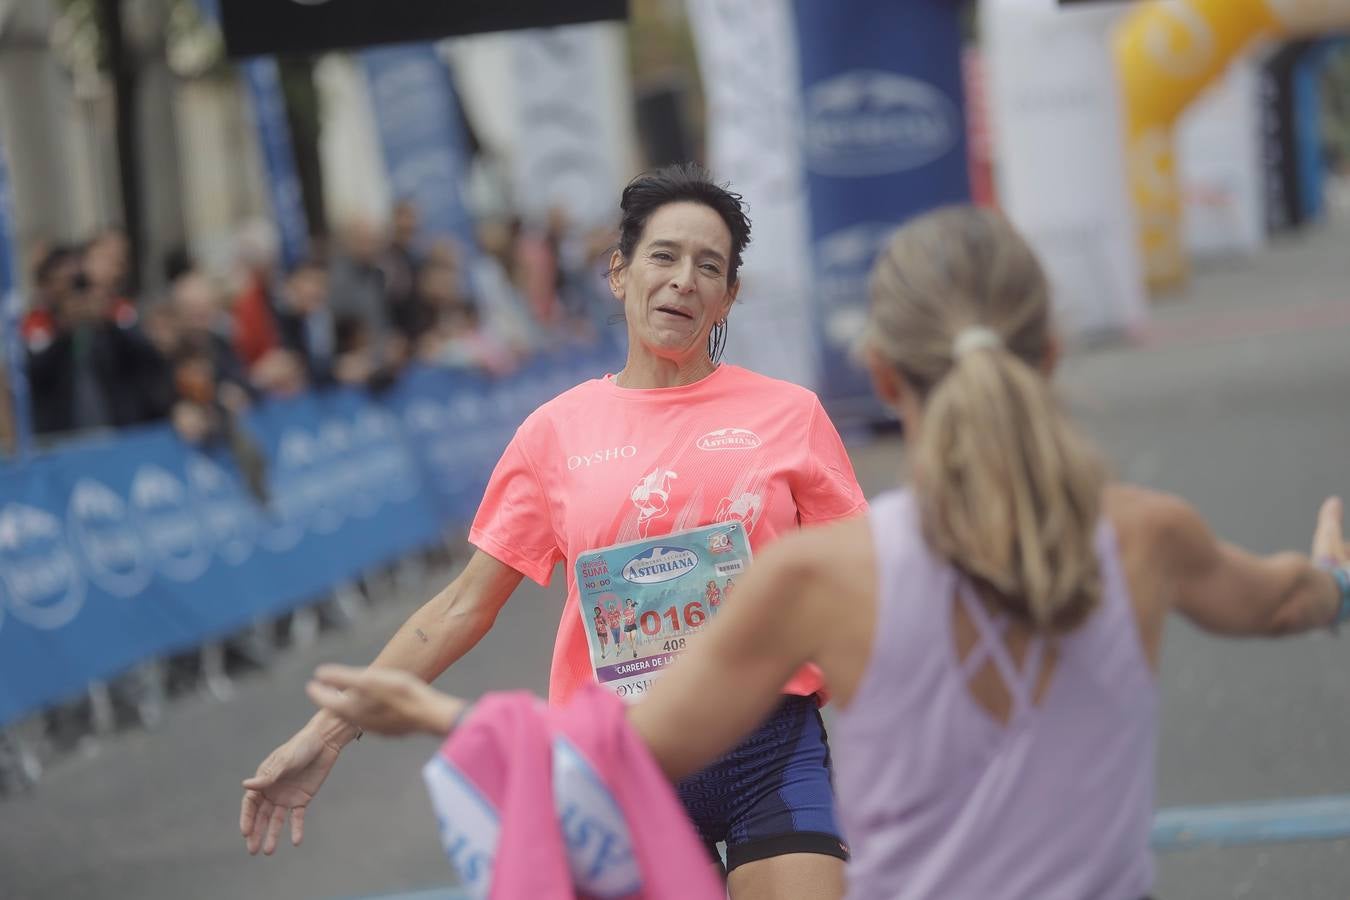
x=505, y=749
x=601, y=465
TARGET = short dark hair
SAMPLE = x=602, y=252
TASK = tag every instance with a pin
x=682, y=183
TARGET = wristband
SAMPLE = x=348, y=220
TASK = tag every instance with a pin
x=1341, y=575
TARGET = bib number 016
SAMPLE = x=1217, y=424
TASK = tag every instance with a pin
x=693, y=617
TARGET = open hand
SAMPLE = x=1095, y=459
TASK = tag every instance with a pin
x=282, y=789
x=1328, y=543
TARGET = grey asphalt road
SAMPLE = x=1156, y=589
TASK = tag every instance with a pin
x=1240, y=401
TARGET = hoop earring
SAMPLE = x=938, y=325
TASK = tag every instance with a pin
x=717, y=341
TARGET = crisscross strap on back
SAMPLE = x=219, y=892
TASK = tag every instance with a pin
x=981, y=650
x=1021, y=684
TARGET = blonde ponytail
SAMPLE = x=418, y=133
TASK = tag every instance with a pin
x=1008, y=490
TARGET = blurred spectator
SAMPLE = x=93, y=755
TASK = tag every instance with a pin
x=439, y=278
x=306, y=321
x=454, y=335
x=255, y=325
x=536, y=269
x=399, y=265
x=160, y=325
x=199, y=320
x=583, y=258
x=499, y=301
x=257, y=330
x=107, y=265
x=53, y=278
x=212, y=386
x=98, y=370
x=357, y=291
x=109, y=261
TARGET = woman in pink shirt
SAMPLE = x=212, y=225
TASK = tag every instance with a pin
x=991, y=633
x=674, y=441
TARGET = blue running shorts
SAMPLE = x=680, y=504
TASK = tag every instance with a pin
x=773, y=794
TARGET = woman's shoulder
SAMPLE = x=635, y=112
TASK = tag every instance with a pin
x=557, y=416
x=584, y=395
x=769, y=387
x=1148, y=520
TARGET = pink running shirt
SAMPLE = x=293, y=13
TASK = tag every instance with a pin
x=602, y=465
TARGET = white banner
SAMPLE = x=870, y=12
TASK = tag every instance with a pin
x=1219, y=158
x=748, y=60
x=574, y=122
x=1055, y=113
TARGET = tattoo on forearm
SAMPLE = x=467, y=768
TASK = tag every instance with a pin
x=421, y=635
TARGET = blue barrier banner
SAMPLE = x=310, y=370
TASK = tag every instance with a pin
x=132, y=546
x=274, y=137
x=417, y=113
x=883, y=138
x=11, y=317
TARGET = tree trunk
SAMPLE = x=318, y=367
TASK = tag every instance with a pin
x=122, y=71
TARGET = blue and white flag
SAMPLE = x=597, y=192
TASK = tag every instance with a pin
x=883, y=139
x=274, y=136
x=274, y=139
x=417, y=113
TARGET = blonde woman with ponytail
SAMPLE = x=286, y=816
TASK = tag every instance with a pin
x=989, y=634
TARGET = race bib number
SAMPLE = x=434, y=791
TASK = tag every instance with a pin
x=644, y=601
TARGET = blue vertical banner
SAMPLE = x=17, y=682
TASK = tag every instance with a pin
x=274, y=136
x=421, y=135
x=883, y=138
x=11, y=320
x=1307, y=100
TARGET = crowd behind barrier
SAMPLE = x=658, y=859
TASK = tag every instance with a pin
x=136, y=545
x=198, y=352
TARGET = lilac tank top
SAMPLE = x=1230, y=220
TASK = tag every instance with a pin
x=940, y=800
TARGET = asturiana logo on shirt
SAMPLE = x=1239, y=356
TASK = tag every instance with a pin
x=660, y=564
x=729, y=439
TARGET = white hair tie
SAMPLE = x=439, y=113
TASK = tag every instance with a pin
x=975, y=337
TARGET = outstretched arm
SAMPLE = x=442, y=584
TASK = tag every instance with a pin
x=716, y=694
x=1228, y=590
x=386, y=701
x=438, y=634
x=801, y=600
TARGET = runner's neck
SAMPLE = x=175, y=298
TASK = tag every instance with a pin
x=643, y=373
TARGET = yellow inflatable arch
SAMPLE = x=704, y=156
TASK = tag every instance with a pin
x=1167, y=52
